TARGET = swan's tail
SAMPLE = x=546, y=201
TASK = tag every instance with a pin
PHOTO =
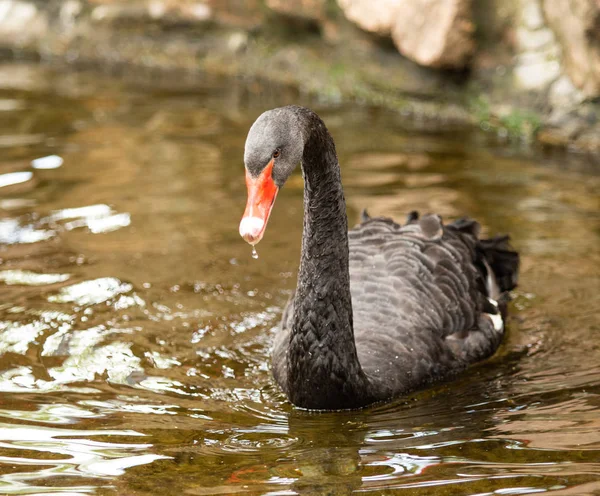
x=496, y=260
x=502, y=260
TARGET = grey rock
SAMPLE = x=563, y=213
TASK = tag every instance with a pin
x=576, y=24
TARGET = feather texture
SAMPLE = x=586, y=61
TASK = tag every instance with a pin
x=420, y=306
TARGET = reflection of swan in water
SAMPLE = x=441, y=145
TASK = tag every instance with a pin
x=339, y=453
x=327, y=456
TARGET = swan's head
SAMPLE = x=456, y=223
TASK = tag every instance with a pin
x=274, y=148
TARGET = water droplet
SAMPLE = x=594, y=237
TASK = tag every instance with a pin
x=254, y=253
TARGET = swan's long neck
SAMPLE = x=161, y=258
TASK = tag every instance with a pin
x=322, y=363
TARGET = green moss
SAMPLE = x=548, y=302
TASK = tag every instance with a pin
x=480, y=108
x=521, y=122
x=514, y=122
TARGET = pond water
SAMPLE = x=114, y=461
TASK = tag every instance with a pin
x=135, y=326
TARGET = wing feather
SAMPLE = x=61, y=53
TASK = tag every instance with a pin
x=419, y=300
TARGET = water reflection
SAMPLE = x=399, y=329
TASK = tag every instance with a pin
x=68, y=456
x=28, y=278
x=14, y=178
x=94, y=292
x=48, y=162
x=97, y=218
x=135, y=327
x=11, y=232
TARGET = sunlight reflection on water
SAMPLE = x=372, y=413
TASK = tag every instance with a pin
x=68, y=454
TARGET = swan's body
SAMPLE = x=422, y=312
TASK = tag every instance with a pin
x=384, y=309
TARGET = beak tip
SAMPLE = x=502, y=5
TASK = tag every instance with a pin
x=251, y=240
x=251, y=229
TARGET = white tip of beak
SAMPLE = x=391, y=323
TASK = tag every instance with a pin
x=251, y=229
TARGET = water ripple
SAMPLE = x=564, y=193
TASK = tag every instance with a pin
x=69, y=454
x=28, y=278
x=15, y=178
x=92, y=292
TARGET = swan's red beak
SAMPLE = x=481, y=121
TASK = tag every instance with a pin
x=262, y=192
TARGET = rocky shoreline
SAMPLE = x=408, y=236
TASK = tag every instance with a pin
x=523, y=69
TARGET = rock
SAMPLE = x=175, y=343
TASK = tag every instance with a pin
x=237, y=41
x=229, y=13
x=576, y=24
x=192, y=12
x=535, y=40
x=576, y=130
x=308, y=10
x=575, y=135
x=589, y=140
x=563, y=95
x=537, y=64
x=435, y=33
x=376, y=17
x=535, y=70
x=109, y=13
x=532, y=17
x=570, y=129
x=21, y=24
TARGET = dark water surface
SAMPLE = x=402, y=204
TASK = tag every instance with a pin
x=135, y=327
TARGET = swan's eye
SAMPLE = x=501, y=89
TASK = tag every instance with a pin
x=276, y=153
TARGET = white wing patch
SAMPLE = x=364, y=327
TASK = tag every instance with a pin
x=496, y=319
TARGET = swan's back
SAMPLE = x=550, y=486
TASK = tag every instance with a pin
x=421, y=299
x=427, y=300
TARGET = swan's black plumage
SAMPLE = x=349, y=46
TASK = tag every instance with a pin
x=385, y=308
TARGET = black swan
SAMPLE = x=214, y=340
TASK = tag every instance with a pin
x=383, y=309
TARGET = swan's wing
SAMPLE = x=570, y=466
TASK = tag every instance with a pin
x=419, y=300
x=419, y=296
